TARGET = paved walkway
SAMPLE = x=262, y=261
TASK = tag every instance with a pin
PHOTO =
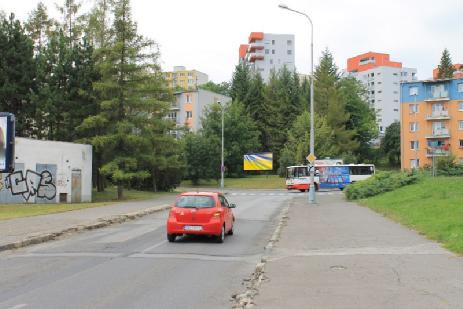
x=340, y=255
x=15, y=231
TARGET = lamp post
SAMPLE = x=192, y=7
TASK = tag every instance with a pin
x=312, y=130
x=222, y=167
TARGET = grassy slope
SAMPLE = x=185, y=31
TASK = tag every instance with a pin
x=433, y=207
x=10, y=211
x=250, y=182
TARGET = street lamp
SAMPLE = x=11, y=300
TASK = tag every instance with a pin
x=312, y=130
x=222, y=167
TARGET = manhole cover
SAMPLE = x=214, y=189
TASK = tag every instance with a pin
x=338, y=267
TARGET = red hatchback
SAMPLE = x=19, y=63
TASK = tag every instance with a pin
x=201, y=213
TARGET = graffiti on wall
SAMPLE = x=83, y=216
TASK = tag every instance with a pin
x=31, y=184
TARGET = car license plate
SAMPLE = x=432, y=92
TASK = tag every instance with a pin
x=192, y=228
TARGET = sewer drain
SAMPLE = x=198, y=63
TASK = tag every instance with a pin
x=338, y=267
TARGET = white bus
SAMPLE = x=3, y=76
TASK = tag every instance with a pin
x=327, y=176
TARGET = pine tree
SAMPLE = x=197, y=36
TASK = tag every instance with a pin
x=445, y=67
x=241, y=82
x=72, y=23
x=135, y=102
x=17, y=74
x=39, y=26
x=326, y=77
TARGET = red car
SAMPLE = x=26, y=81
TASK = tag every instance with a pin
x=201, y=213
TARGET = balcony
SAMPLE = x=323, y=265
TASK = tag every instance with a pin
x=440, y=151
x=175, y=106
x=254, y=56
x=437, y=93
x=254, y=46
x=438, y=115
x=439, y=133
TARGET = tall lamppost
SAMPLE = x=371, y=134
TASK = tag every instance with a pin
x=222, y=167
x=312, y=130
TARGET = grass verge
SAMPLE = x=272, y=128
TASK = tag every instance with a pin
x=109, y=196
x=434, y=207
x=249, y=182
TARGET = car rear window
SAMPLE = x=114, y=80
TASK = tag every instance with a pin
x=196, y=201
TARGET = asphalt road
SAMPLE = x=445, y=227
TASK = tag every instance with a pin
x=133, y=266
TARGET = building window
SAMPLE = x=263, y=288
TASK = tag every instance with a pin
x=415, y=163
x=460, y=124
x=273, y=52
x=413, y=126
x=267, y=51
x=413, y=91
x=271, y=61
x=189, y=114
x=461, y=143
x=460, y=87
x=460, y=106
x=381, y=129
x=289, y=42
x=414, y=145
x=380, y=91
x=290, y=52
x=190, y=73
x=188, y=98
x=396, y=109
x=413, y=108
x=273, y=42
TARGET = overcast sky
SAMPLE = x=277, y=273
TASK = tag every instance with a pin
x=206, y=34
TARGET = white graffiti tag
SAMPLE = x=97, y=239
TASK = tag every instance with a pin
x=34, y=184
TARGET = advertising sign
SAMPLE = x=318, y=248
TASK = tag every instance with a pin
x=262, y=161
x=7, y=134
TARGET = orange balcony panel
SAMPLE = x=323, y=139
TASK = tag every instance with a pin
x=243, y=50
x=254, y=36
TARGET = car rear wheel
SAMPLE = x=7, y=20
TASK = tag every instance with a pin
x=221, y=237
x=230, y=232
x=171, y=237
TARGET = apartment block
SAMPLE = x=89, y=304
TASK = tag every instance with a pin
x=431, y=121
x=267, y=51
x=382, y=78
x=181, y=78
x=189, y=108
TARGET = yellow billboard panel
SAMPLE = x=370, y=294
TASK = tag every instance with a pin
x=262, y=161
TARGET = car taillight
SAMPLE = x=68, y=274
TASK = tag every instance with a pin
x=216, y=214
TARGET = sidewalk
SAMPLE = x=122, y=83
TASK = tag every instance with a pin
x=21, y=232
x=340, y=255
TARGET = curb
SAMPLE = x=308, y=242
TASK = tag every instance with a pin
x=92, y=226
x=245, y=300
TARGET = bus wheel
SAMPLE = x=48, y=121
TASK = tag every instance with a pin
x=302, y=190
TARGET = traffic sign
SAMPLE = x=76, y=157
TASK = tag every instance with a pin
x=311, y=158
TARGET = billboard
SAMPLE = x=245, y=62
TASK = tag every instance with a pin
x=7, y=142
x=261, y=161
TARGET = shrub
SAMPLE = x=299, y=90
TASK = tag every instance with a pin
x=379, y=183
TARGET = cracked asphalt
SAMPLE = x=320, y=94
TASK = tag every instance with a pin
x=131, y=265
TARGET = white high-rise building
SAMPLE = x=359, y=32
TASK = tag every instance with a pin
x=266, y=52
x=382, y=79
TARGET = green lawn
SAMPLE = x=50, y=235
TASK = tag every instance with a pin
x=250, y=182
x=434, y=207
x=10, y=211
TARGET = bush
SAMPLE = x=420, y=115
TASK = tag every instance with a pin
x=379, y=183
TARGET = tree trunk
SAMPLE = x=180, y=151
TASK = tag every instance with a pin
x=155, y=187
x=120, y=192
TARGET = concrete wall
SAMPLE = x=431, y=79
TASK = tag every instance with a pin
x=47, y=171
x=383, y=91
x=195, y=102
x=275, y=54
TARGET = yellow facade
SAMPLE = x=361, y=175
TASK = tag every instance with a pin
x=185, y=79
x=437, y=130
